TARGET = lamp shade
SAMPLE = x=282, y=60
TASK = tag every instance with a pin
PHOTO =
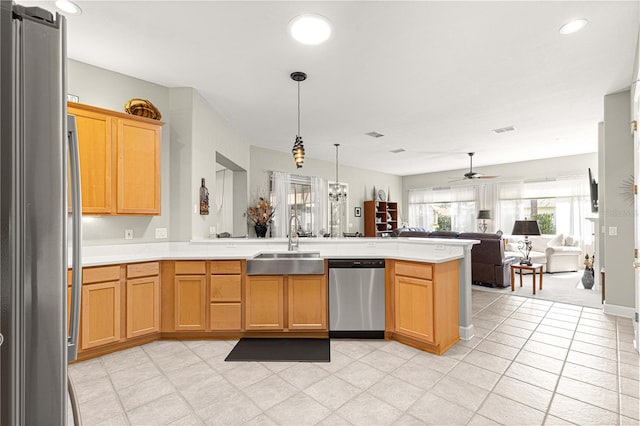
x=526, y=227
x=484, y=214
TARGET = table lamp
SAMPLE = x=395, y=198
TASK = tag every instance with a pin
x=525, y=227
x=484, y=215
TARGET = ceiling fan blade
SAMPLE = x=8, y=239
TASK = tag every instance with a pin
x=487, y=177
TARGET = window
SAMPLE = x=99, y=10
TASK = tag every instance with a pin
x=560, y=206
x=444, y=209
x=299, y=196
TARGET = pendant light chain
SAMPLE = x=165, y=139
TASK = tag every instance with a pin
x=337, y=180
x=298, y=108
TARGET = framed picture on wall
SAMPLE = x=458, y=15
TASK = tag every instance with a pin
x=357, y=211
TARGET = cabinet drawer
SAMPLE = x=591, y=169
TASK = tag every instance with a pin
x=190, y=267
x=100, y=274
x=143, y=269
x=414, y=269
x=226, y=267
x=225, y=288
x=225, y=316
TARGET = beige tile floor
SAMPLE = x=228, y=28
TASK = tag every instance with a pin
x=532, y=362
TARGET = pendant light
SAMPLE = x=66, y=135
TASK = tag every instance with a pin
x=298, y=146
x=336, y=191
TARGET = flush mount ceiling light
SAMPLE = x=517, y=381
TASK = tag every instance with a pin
x=310, y=29
x=573, y=26
x=298, y=146
x=69, y=7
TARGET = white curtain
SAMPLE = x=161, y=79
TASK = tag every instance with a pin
x=510, y=205
x=572, y=206
x=318, y=205
x=426, y=204
x=487, y=199
x=280, y=199
x=224, y=201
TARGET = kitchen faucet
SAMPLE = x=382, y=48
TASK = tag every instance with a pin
x=293, y=245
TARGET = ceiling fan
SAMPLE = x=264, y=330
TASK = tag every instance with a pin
x=471, y=174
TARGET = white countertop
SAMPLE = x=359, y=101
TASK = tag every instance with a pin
x=433, y=250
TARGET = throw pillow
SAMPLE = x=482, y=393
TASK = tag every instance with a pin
x=556, y=241
x=569, y=241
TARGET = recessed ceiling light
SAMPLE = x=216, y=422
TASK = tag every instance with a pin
x=69, y=7
x=573, y=26
x=505, y=129
x=310, y=29
x=397, y=150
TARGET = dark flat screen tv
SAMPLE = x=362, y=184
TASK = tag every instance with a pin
x=593, y=187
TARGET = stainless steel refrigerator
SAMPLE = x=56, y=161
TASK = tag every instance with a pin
x=35, y=162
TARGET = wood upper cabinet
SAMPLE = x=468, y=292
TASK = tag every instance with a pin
x=120, y=161
x=143, y=299
x=138, y=180
x=100, y=313
x=307, y=302
x=95, y=140
x=264, y=303
x=190, y=295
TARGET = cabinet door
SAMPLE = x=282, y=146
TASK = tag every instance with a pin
x=414, y=307
x=190, y=302
x=96, y=160
x=307, y=302
x=138, y=168
x=100, y=314
x=226, y=288
x=143, y=306
x=264, y=303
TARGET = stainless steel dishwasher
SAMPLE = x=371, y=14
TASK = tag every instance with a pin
x=356, y=298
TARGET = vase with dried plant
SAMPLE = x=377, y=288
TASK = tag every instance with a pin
x=261, y=214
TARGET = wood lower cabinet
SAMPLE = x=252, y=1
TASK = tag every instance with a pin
x=292, y=302
x=225, y=295
x=424, y=306
x=264, y=303
x=143, y=299
x=190, y=295
x=307, y=302
x=101, y=303
x=414, y=307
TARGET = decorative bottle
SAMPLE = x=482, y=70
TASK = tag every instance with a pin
x=204, y=199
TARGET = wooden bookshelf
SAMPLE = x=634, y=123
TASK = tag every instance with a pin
x=380, y=218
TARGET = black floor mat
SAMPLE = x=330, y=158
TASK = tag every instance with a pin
x=273, y=350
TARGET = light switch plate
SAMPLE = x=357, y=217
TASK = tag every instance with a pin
x=613, y=231
x=161, y=232
x=128, y=234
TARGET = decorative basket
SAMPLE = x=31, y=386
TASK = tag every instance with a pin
x=142, y=108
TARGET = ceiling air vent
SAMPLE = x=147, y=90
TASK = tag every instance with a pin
x=504, y=129
x=398, y=150
x=374, y=134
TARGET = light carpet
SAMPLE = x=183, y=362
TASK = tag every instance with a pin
x=564, y=287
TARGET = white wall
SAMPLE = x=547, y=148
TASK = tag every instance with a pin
x=617, y=211
x=361, y=182
x=106, y=89
x=545, y=169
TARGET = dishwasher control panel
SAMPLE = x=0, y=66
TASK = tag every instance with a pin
x=356, y=263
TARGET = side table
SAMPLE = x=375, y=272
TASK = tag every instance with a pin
x=533, y=268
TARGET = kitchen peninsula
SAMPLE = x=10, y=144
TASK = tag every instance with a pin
x=211, y=272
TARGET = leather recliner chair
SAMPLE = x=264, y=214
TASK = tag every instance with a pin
x=489, y=265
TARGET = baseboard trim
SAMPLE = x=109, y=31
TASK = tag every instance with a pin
x=617, y=310
x=466, y=333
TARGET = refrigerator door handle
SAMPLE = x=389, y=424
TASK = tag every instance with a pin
x=76, y=220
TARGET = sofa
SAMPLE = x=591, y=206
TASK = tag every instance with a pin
x=489, y=264
x=557, y=253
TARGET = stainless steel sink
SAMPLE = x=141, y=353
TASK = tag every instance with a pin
x=286, y=263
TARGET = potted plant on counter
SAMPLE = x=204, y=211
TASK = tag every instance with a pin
x=260, y=215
